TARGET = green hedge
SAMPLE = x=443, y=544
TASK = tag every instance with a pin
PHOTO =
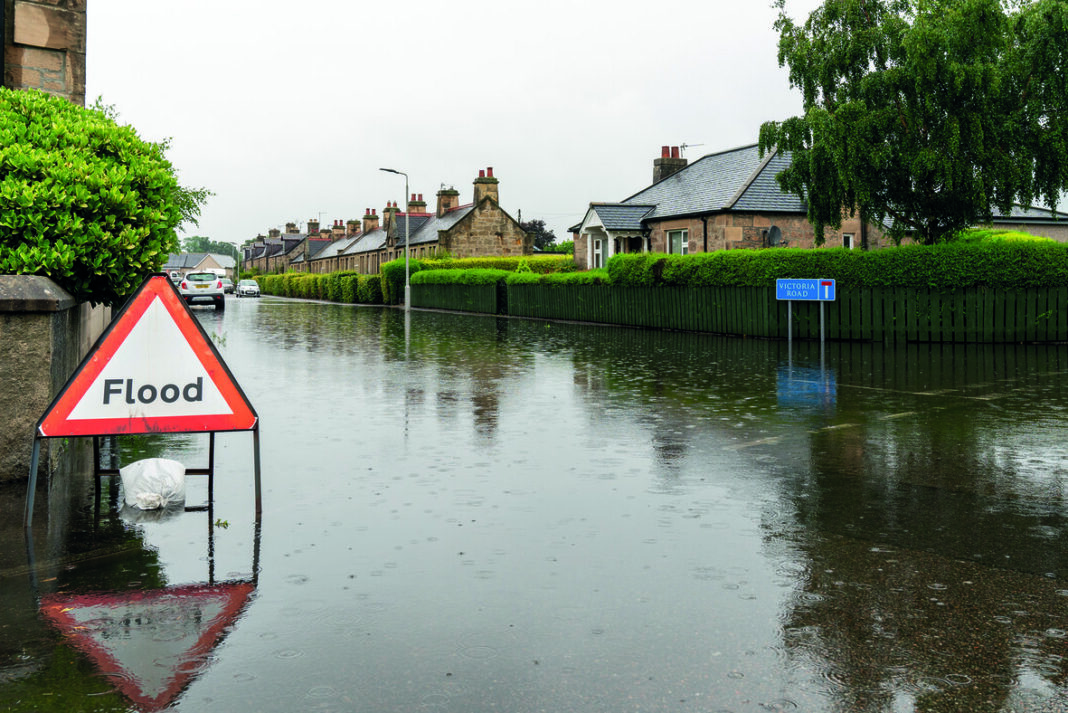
x=590, y=277
x=393, y=279
x=346, y=286
x=542, y=264
x=461, y=277
x=1014, y=265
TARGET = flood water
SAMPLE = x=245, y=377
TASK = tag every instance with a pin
x=478, y=514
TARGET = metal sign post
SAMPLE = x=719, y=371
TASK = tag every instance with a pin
x=804, y=290
x=154, y=370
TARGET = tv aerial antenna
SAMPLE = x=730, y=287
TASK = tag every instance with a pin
x=683, y=147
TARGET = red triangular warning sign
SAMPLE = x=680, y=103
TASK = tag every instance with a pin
x=153, y=371
x=151, y=644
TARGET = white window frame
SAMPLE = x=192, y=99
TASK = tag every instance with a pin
x=848, y=241
x=684, y=241
x=598, y=253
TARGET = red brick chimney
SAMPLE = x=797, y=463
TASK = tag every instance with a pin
x=370, y=220
x=448, y=199
x=486, y=186
x=669, y=162
x=416, y=205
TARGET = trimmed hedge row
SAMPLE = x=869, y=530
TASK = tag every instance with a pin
x=393, y=271
x=541, y=264
x=350, y=287
x=1011, y=265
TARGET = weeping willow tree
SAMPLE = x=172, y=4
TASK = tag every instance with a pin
x=925, y=115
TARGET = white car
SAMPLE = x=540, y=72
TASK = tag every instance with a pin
x=247, y=288
x=201, y=287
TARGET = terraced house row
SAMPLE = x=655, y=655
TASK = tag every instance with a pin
x=476, y=229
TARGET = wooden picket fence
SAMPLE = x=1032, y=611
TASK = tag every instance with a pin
x=883, y=314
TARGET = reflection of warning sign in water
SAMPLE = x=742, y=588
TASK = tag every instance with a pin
x=151, y=644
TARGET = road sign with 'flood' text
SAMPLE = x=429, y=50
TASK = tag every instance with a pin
x=154, y=370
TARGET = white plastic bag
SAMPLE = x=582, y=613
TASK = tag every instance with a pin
x=153, y=483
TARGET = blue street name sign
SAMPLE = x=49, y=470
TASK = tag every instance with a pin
x=818, y=290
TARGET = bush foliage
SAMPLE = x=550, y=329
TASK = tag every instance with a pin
x=948, y=266
x=83, y=200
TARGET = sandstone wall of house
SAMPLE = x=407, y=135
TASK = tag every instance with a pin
x=488, y=231
x=44, y=46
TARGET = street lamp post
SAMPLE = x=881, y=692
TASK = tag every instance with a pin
x=407, y=232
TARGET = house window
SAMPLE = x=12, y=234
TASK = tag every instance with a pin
x=598, y=254
x=678, y=242
x=847, y=240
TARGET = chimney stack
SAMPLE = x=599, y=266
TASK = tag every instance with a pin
x=313, y=227
x=370, y=220
x=274, y=233
x=352, y=227
x=292, y=228
x=486, y=186
x=417, y=206
x=669, y=162
x=448, y=199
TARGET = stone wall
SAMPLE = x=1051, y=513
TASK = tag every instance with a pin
x=487, y=231
x=44, y=334
x=44, y=46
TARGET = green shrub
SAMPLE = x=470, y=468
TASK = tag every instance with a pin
x=83, y=200
x=538, y=263
x=369, y=290
x=348, y=288
x=947, y=266
x=393, y=279
x=589, y=277
x=461, y=277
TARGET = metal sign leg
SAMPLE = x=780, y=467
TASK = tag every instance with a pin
x=31, y=489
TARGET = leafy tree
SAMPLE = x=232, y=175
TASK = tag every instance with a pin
x=83, y=200
x=542, y=236
x=566, y=247
x=925, y=114
x=200, y=244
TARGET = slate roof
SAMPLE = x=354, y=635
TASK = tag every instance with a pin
x=177, y=261
x=1027, y=214
x=428, y=230
x=622, y=218
x=367, y=242
x=417, y=222
x=738, y=179
x=337, y=246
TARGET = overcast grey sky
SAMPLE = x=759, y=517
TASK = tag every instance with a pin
x=287, y=110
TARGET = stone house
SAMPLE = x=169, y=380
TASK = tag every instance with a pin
x=199, y=262
x=480, y=228
x=731, y=200
x=722, y=201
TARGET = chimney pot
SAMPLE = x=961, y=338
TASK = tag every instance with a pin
x=481, y=173
x=420, y=197
x=489, y=172
x=412, y=200
x=665, y=152
x=674, y=152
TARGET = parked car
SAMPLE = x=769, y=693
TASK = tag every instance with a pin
x=248, y=288
x=201, y=287
x=228, y=285
x=175, y=276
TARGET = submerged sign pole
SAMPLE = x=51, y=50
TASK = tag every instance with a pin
x=805, y=290
x=153, y=370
